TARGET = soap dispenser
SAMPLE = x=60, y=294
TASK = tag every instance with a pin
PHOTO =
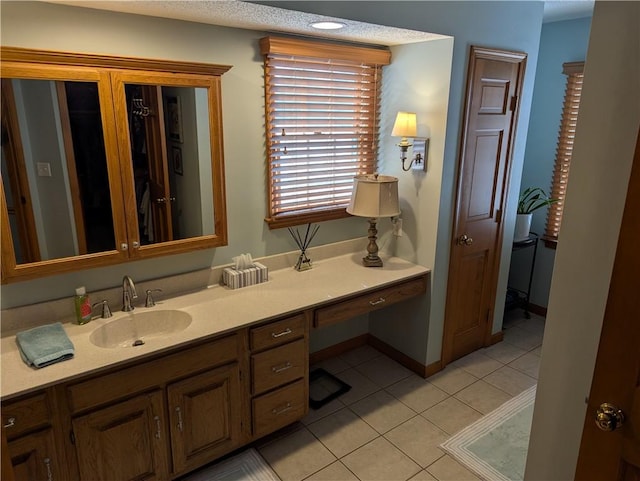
x=83, y=306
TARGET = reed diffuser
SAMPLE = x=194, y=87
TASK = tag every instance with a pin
x=303, y=263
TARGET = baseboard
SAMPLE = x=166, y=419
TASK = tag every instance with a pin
x=383, y=347
x=401, y=357
x=496, y=338
x=539, y=310
x=433, y=368
x=339, y=348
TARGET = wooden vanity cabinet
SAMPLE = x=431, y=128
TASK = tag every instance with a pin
x=123, y=441
x=27, y=425
x=161, y=418
x=279, y=373
x=369, y=302
x=204, y=417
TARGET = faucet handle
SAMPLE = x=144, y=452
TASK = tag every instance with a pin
x=106, y=311
x=150, y=302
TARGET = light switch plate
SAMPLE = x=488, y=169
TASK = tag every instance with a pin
x=44, y=169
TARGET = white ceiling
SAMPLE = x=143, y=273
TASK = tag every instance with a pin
x=239, y=14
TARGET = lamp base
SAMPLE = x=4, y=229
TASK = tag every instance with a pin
x=372, y=259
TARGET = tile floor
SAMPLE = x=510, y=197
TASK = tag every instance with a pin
x=391, y=422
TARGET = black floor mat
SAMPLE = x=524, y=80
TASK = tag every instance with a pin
x=324, y=387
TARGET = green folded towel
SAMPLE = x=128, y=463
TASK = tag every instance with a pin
x=45, y=345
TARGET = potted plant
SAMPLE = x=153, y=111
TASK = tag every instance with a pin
x=531, y=199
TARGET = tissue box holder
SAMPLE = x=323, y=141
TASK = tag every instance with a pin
x=236, y=278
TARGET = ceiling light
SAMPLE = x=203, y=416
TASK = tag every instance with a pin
x=328, y=25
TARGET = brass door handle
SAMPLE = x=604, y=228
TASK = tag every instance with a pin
x=609, y=417
x=464, y=239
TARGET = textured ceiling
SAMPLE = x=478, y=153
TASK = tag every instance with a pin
x=238, y=14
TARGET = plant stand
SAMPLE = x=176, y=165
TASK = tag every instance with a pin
x=517, y=297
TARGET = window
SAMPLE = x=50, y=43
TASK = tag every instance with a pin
x=322, y=104
x=566, y=136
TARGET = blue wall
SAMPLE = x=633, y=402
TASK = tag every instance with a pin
x=560, y=42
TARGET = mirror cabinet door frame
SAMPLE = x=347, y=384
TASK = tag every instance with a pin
x=119, y=80
x=111, y=74
x=10, y=268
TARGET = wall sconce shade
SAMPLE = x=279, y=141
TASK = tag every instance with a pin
x=405, y=125
x=374, y=196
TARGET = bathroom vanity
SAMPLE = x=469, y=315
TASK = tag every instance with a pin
x=237, y=372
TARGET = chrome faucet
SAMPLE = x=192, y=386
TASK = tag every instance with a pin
x=128, y=293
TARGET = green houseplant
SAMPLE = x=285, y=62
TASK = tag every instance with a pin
x=533, y=198
x=530, y=200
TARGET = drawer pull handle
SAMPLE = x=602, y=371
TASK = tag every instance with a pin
x=11, y=422
x=157, y=420
x=277, y=412
x=280, y=334
x=284, y=367
x=380, y=300
x=180, y=423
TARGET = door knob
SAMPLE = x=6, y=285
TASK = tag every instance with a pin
x=609, y=417
x=465, y=240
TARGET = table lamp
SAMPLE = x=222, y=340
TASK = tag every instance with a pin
x=374, y=196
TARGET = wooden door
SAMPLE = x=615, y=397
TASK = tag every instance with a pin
x=615, y=455
x=158, y=164
x=33, y=457
x=494, y=83
x=18, y=202
x=205, y=417
x=125, y=441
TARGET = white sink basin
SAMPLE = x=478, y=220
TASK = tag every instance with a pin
x=138, y=327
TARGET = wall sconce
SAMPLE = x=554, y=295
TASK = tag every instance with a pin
x=374, y=196
x=406, y=126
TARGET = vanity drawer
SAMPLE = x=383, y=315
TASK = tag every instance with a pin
x=371, y=301
x=278, y=366
x=278, y=332
x=27, y=414
x=278, y=408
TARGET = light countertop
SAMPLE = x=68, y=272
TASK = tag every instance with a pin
x=214, y=310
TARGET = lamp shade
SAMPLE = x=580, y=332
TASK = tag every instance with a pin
x=405, y=125
x=374, y=196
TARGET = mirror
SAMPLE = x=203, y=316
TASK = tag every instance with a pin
x=54, y=169
x=103, y=165
x=171, y=160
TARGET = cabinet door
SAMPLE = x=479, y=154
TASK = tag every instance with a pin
x=205, y=416
x=33, y=457
x=124, y=441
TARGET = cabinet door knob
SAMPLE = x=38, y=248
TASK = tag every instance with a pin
x=47, y=463
x=11, y=422
x=158, y=428
x=180, y=423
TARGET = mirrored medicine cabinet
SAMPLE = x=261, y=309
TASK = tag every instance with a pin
x=107, y=160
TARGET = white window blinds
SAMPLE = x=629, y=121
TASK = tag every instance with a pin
x=564, y=151
x=322, y=104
